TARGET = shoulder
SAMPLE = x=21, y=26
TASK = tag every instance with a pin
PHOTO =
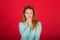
x=39, y=23
x=21, y=24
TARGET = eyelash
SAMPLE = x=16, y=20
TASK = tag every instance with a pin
x=26, y=13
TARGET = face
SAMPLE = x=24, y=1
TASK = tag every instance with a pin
x=29, y=14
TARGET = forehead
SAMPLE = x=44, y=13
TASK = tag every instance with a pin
x=29, y=10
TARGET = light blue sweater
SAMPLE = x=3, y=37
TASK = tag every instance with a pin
x=27, y=33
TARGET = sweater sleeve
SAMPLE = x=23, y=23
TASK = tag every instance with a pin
x=23, y=30
x=38, y=31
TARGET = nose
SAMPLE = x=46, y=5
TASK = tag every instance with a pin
x=29, y=15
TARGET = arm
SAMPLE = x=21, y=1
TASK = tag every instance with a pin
x=23, y=30
x=38, y=31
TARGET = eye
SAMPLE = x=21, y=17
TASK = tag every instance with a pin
x=31, y=13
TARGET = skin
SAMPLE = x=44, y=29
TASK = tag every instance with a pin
x=29, y=15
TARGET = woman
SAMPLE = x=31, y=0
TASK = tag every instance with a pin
x=29, y=28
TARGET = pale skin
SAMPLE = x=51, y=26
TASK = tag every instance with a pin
x=29, y=15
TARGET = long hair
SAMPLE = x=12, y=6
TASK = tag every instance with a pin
x=34, y=20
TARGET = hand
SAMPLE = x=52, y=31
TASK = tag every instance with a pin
x=29, y=24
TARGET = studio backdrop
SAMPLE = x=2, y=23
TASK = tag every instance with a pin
x=47, y=11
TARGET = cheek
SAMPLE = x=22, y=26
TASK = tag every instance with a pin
x=26, y=15
x=31, y=16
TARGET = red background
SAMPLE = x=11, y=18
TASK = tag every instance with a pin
x=47, y=11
